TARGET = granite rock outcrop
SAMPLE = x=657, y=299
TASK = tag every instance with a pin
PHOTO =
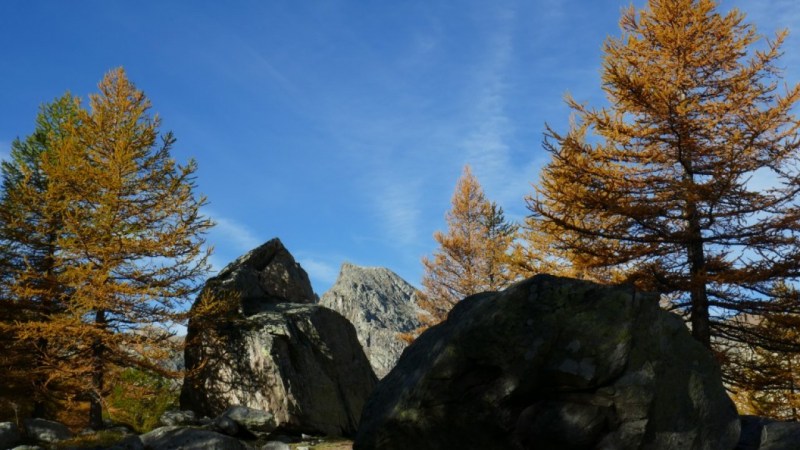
x=381, y=305
x=553, y=363
x=265, y=345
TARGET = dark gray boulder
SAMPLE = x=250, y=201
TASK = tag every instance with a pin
x=46, y=430
x=225, y=425
x=381, y=306
x=170, y=438
x=760, y=433
x=553, y=363
x=255, y=421
x=780, y=436
x=9, y=435
x=270, y=349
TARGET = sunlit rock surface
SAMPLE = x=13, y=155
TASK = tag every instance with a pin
x=381, y=306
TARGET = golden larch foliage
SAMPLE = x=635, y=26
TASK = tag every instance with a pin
x=473, y=256
x=659, y=186
x=128, y=251
x=29, y=225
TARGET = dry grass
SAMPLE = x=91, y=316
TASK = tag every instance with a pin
x=99, y=439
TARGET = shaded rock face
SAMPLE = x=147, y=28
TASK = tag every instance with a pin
x=9, y=435
x=168, y=438
x=553, y=363
x=264, y=276
x=380, y=305
x=271, y=349
x=46, y=430
x=759, y=433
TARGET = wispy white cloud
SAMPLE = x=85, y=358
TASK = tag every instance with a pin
x=236, y=233
x=424, y=48
x=230, y=239
x=321, y=272
x=322, y=268
x=247, y=63
x=398, y=205
x=551, y=11
x=487, y=145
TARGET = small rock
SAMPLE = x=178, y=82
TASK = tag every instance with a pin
x=253, y=420
x=225, y=424
x=27, y=447
x=175, y=417
x=275, y=445
x=9, y=435
x=121, y=429
x=46, y=430
x=205, y=421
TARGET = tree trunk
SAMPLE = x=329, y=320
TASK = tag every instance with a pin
x=792, y=388
x=700, y=319
x=96, y=394
x=701, y=323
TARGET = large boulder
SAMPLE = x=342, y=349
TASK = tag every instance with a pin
x=761, y=433
x=553, y=363
x=381, y=306
x=265, y=346
x=780, y=436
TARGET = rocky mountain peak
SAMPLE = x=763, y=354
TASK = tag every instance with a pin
x=381, y=305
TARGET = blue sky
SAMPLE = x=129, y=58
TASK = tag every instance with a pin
x=339, y=126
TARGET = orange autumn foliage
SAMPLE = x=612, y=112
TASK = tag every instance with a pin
x=473, y=256
x=128, y=250
x=660, y=186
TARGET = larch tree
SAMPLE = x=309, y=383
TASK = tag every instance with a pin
x=535, y=252
x=472, y=255
x=768, y=378
x=130, y=248
x=662, y=184
x=28, y=232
